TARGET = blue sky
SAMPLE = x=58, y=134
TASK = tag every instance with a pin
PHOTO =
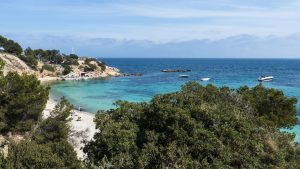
x=156, y=28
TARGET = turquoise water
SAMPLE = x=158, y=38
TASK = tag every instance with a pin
x=102, y=93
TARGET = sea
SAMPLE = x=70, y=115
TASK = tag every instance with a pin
x=101, y=94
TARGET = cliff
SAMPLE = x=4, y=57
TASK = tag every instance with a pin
x=14, y=64
x=90, y=68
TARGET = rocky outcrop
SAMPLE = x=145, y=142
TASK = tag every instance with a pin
x=14, y=64
x=111, y=71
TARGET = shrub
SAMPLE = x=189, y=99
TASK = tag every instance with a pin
x=67, y=69
x=48, y=68
x=102, y=65
x=22, y=100
x=272, y=107
x=10, y=46
x=90, y=68
x=197, y=127
x=30, y=61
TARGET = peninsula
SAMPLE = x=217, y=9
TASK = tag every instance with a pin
x=51, y=64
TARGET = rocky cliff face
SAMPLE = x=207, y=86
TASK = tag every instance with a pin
x=14, y=64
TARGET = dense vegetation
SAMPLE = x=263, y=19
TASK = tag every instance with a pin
x=92, y=67
x=198, y=127
x=48, y=68
x=48, y=146
x=271, y=106
x=32, y=56
x=45, y=143
x=22, y=99
x=10, y=46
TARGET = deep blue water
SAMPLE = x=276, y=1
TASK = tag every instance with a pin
x=101, y=94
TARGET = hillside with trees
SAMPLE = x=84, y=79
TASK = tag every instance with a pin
x=196, y=127
x=27, y=140
x=51, y=63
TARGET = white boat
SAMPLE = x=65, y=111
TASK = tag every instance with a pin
x=183, y=75
x=205, y=79
x=265, y=78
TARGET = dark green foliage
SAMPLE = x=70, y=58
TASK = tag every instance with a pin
x=48, y=67
x=88, y=60
x=1, y=67
x=51, y=56
x=48, y=147
x=30, y=155
x=29, y=58
x=102, y=65
x=39, y=54
x=29, y=52
x=271, y=105
x=30, y=61
x=67, y=69
x=55, y=128
x=22, y=100
x=89, y=68
x=10, y=46
x=53, y=132
x=197, y=127
x=71, y=59
x=73, y=56
x=93, y=67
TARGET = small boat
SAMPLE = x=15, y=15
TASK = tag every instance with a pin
x=205, y=79
x=183, y=75
x=265, y=78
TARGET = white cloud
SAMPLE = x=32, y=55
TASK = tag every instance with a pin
x=242, y=46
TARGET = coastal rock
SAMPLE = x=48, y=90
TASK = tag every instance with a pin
x=176, y=70
x=131, y=74
x=14, y=64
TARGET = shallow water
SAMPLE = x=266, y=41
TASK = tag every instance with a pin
x=102, y=93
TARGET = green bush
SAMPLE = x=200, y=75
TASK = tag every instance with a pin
x=30, y=61
x=10, y=46
x=272, y=107
x=48, y=68
x=67, y=69
x=90, y=68
x=22, y=100
x=30, y=155
x=102, y=65
x=197, y=127
x=56, y=127
x=88, y=60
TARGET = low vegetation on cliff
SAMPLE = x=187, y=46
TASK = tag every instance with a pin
x=49, y=62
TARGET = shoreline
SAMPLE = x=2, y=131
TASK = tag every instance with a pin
x=82, y=127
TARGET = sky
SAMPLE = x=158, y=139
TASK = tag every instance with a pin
x=156, y=28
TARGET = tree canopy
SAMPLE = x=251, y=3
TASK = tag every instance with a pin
x=10, y=46
x=22, y=100
x=48, y=147
x=197, y=127
x=271, y=106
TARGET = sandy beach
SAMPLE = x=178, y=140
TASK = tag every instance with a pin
x=82, y=126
